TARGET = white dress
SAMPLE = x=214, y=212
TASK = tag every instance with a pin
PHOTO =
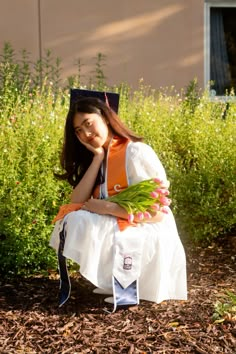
x=155, y=249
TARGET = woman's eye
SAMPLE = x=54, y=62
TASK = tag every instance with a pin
x=89, y=124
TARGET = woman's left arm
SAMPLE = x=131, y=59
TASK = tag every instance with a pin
x=104, y=207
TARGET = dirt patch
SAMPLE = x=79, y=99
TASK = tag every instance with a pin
x=31, y=322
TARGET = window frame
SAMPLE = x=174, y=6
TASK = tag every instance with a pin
x=208, y=4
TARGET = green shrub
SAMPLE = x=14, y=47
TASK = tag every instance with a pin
x=205, y=188
x=29, y=194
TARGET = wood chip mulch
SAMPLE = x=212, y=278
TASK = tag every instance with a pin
x=31, y=322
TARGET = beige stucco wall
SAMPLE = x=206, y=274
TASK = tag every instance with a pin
x=158, y=40
x=19, y=25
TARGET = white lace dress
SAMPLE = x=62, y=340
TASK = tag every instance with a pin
x=155, y=249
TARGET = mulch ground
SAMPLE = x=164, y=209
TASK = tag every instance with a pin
x=31, y=322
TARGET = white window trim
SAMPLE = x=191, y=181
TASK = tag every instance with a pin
x=207, y=7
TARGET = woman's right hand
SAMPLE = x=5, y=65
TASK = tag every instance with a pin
x=99, y=151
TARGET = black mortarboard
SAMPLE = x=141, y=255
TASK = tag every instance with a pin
x=110, y=98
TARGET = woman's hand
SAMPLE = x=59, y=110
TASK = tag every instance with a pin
x=98, y=206
x=99, y=151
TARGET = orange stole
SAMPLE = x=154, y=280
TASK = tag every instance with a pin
x=115, y=173
x=115, y=176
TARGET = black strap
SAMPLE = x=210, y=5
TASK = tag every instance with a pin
x=65, y=285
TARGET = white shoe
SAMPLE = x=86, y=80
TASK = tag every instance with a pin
x=109, y=300
x=102, y=291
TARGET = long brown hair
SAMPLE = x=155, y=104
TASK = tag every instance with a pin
x=75, y=157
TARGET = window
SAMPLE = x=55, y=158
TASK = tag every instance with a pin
x=220, y=46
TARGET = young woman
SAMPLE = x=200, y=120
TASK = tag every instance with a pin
x=102, y=157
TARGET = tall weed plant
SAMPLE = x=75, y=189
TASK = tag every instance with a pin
x=29, y=194
x=193, y=137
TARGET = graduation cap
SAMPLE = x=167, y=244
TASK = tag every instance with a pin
x=110, y=98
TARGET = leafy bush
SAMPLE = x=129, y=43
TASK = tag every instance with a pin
x=225, y=308
x=30, y=197
x=193, y=137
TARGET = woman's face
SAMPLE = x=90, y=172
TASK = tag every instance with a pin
x=92, y=129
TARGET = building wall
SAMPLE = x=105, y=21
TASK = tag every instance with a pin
x=159, y=41
x=19, y=25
